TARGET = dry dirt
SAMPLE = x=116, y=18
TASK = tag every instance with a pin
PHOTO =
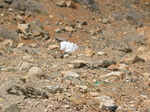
x=126, y=22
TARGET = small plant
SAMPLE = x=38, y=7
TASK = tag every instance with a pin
x=7, y=34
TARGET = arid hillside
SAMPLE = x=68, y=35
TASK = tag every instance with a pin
x=74, y=55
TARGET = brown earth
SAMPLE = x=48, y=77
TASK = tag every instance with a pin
x=111, y=25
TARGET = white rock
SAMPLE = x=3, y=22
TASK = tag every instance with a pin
x=68, y=46
x=101, y=53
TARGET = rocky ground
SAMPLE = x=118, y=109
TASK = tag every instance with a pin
x=110, y=70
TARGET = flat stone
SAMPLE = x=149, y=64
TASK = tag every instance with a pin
x=69, y=28
x=13, y=108
x=54, y=88
x=54, y=46
x=78, y=63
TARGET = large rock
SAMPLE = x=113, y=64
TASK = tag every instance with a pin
x=23, y=27
x=35, y=72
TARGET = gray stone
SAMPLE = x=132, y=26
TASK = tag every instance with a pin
x=54, y=88
x=137, y=59
x=105, y=20
x=124, y=46
x=13, y=108
x=102, y=63
x=107, y=102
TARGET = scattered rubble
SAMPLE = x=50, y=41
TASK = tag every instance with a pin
x=74, y=55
